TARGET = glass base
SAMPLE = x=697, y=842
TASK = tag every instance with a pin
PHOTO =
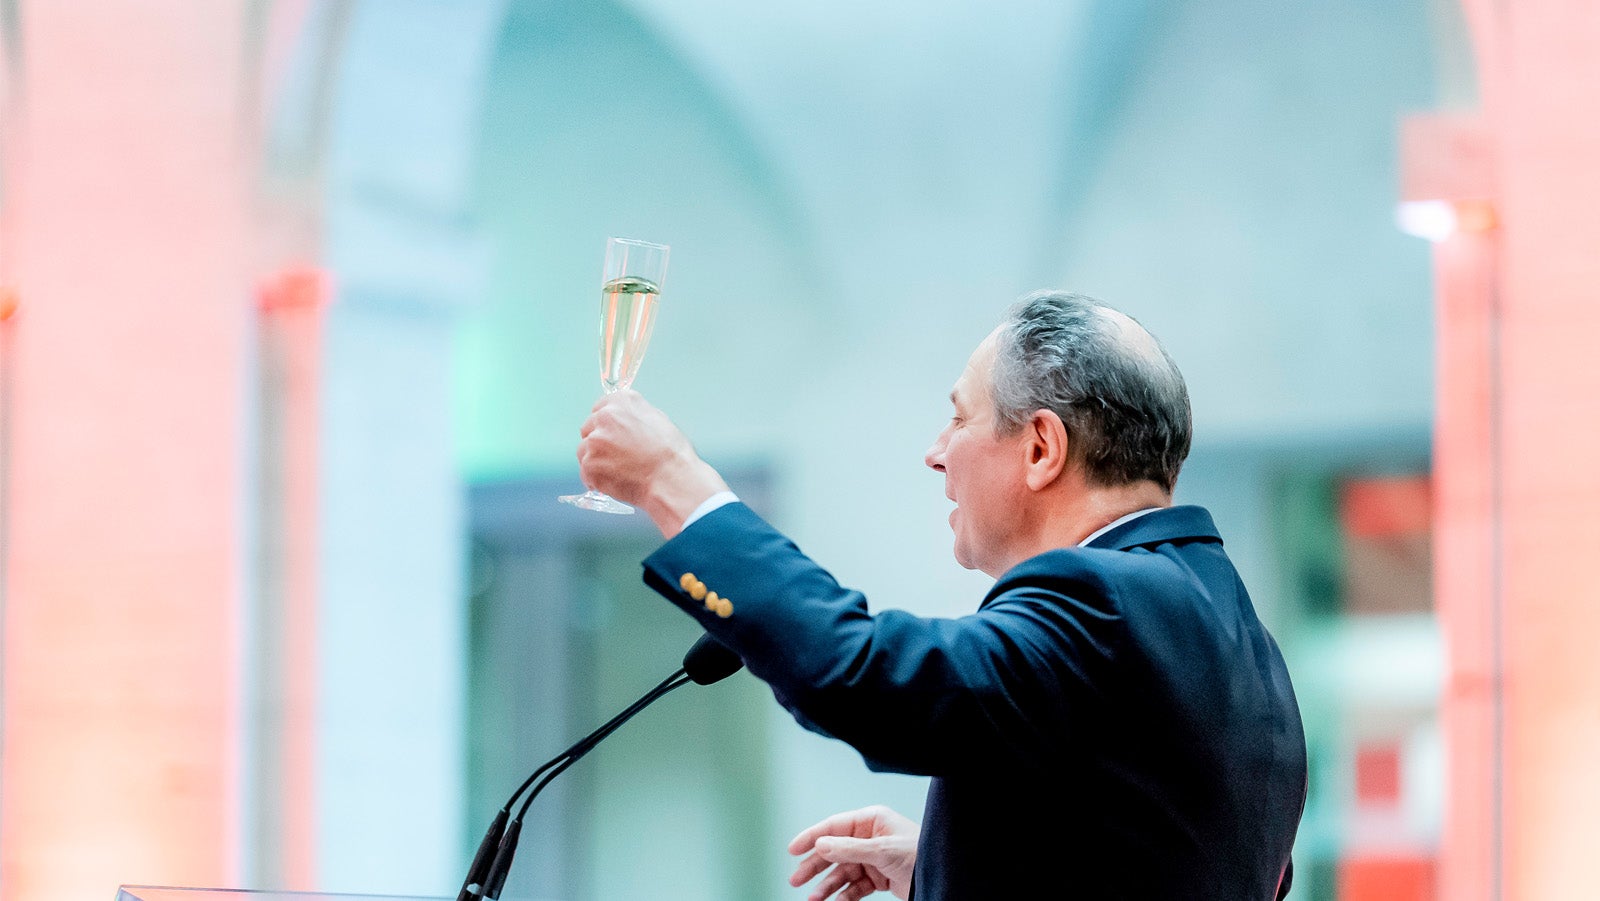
x=594, y=500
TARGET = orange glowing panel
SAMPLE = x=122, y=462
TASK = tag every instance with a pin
x=1388, y=532
x=1386, y=878
x=1373, y=508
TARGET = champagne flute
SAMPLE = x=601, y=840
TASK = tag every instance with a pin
x=630, y=288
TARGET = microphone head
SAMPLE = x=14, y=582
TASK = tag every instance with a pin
x=710, y=661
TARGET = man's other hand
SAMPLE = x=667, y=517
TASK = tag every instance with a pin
x=869, y=850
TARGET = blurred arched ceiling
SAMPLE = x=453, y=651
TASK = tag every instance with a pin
x=927, y=162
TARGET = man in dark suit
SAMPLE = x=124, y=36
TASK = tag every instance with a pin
x=1112, y=722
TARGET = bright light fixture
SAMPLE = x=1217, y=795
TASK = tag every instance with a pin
x=1435, y=220
x=1439, y=220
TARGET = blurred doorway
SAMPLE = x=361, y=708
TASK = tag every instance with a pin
x=1357, y=553
x=564, y=635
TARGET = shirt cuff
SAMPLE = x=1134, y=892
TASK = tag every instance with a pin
x=720, y=499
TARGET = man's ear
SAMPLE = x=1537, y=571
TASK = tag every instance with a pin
x=1046, y=449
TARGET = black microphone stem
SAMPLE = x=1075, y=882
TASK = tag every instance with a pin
x=493, y=879
x=583, y=745
x=676, y=680
x=706, y=662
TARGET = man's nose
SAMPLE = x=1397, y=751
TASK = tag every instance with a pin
x=935, y=455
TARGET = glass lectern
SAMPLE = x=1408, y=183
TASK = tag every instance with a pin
x=172, y=893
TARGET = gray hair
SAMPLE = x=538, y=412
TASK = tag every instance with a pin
x=1125, y=406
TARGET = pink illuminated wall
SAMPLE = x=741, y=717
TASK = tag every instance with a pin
x=1550, y=140
x=1517, y=435
x=130, y=144
x=119, y=666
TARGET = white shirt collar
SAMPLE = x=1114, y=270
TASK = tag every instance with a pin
x=1116, y=522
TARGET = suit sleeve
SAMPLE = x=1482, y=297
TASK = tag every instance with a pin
x=911, y=694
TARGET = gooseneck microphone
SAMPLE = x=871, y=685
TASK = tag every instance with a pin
x=706, y=662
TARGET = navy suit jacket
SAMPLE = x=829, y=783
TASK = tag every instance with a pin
x=1112, y=722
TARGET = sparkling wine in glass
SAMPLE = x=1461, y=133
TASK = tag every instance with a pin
x=630, y=290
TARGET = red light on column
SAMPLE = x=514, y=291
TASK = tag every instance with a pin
x=295, y=288
x=9, y=301
x=291, y=302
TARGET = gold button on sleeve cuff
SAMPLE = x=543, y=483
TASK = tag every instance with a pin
x=698, y=591
x=725, y=608
x=686, y=581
